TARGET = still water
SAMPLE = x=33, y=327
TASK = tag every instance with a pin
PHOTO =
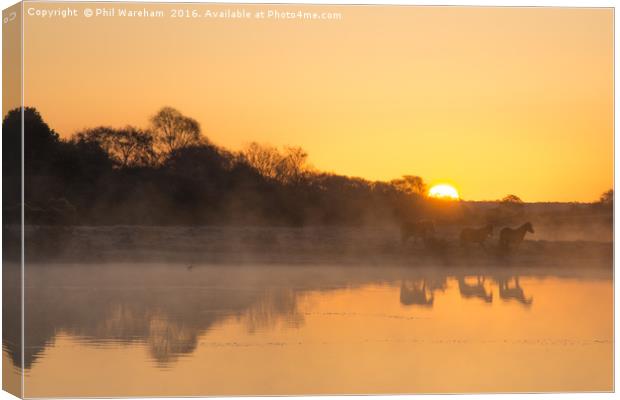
x=180, y=329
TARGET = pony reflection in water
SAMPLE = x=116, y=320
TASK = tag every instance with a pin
x=508, y=291
x=421, y=291
x=476, y=290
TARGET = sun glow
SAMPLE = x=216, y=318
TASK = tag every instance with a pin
x=444, y=191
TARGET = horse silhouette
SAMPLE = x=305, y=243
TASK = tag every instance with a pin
x=476, y=235
x=417, y=230
x=512, y=238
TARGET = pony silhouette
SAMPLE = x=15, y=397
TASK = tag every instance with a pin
x=417, y=230
x=512, y=238
x=476, y=235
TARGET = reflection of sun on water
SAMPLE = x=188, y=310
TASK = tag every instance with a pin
x=444, y=191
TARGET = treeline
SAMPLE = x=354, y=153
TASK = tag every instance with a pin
x=170, y=173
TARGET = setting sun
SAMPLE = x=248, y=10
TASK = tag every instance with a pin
x=444, y=191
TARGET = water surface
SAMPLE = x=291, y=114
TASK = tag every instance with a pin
x=195, y=329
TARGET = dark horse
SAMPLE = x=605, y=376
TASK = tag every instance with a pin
x=512, y=238
x=475, y=236
x=421, y=229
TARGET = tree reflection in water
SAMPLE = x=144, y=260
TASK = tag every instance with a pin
x=167, y=307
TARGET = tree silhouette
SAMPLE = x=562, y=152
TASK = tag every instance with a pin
x=198, y=161
x=174, y=131
x=512, y=203
x=410, y=184
x=508, y=210
x=40, y=141
x=127, y=147
x=293, y=166
x=512, y=199
x=170, y=174
x=607, y=198
x=288, y=166
x=264, y=158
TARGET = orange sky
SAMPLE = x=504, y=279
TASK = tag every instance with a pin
x=493, y=100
